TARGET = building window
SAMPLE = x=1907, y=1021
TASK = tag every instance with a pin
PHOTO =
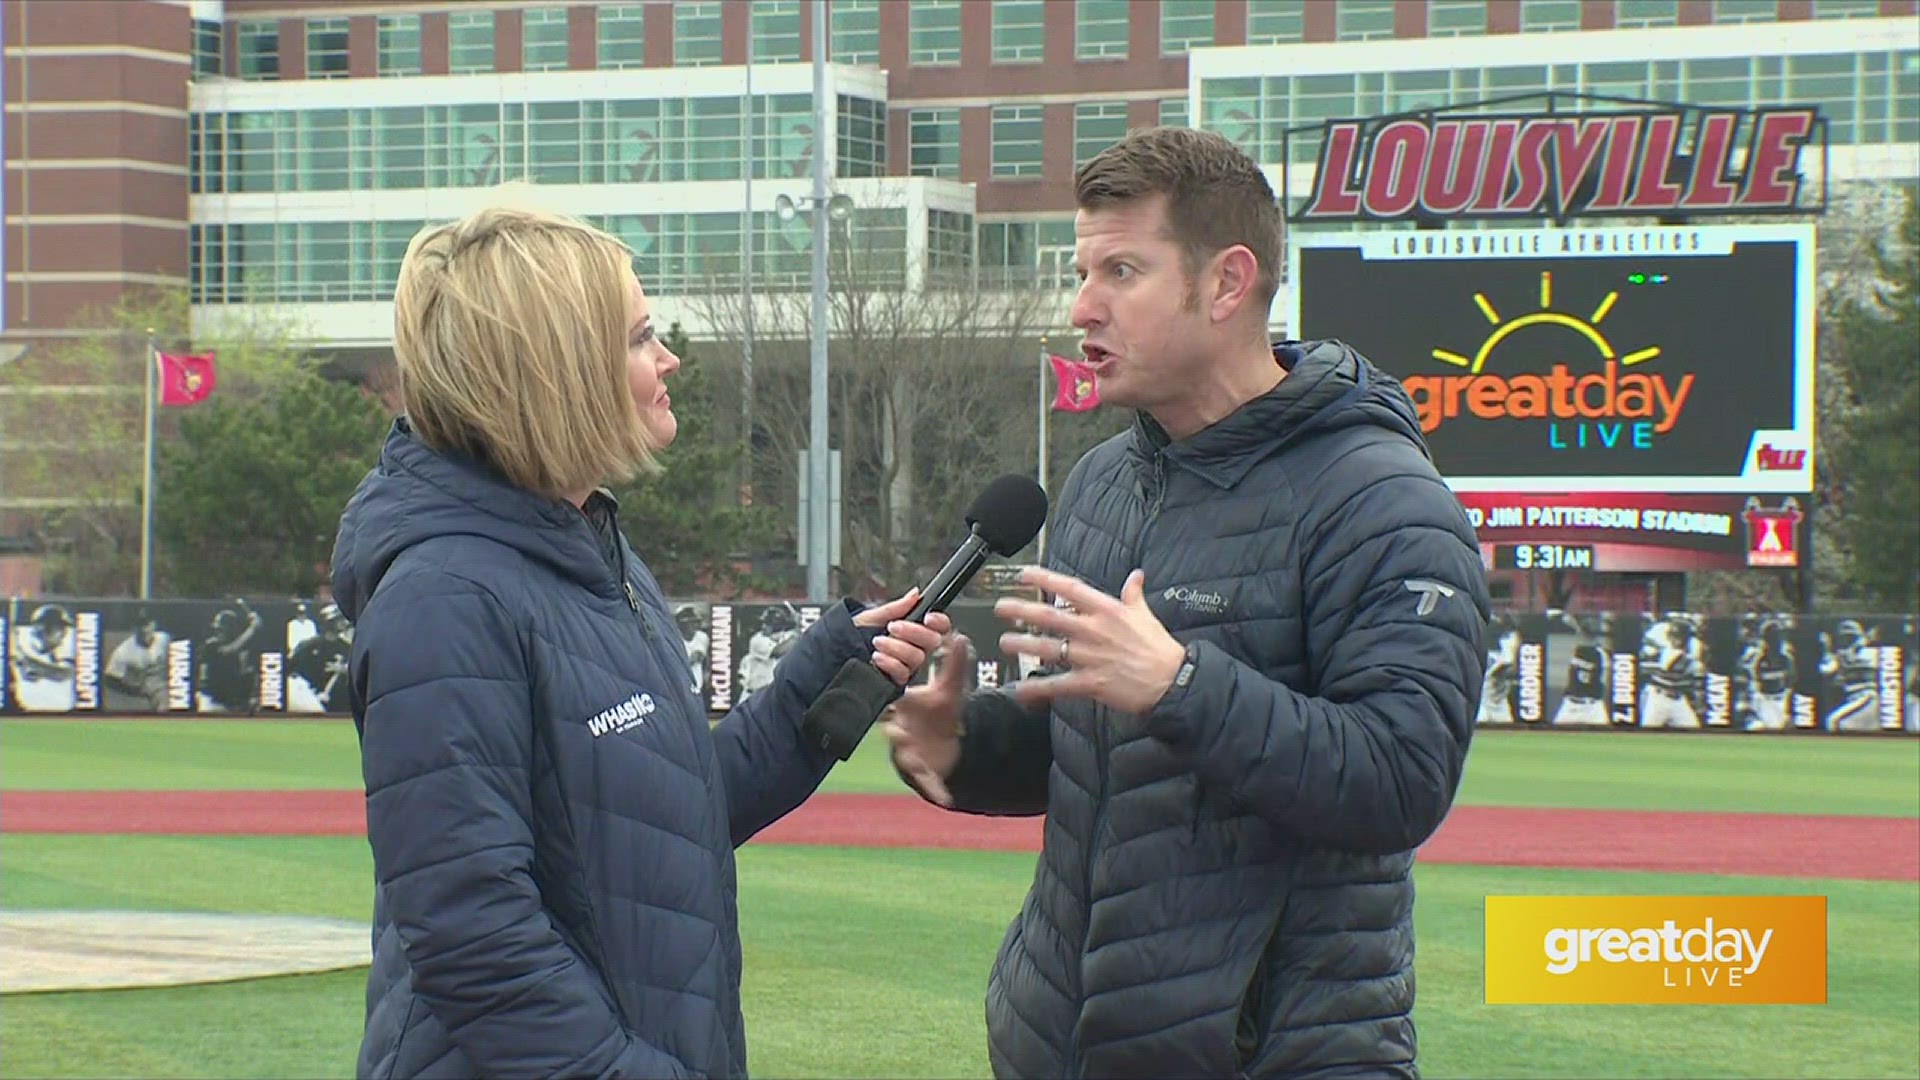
x=1173, y=112
x=399, y=45
x=775, y=31
x=1019, y=30
x=258, y=42
x=933, y=142
x=1184, y=25
x=1543, y=16
x=1017, y=144
x=696, y=34
x=863, y=137
x=543, y=39
x=855, y=28
x=1100, y=29
x=1096, y=126
x=1641, y=13
x=1363, y=20
x=1275, y=22
x=1456, y=18
x=206, y=48
x=622, y=35
x=933, y=32
x=1745, y=11
x=1846, y=9
x=949, y=244
x=470, y=42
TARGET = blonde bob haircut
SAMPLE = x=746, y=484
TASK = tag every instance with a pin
x=510, y=332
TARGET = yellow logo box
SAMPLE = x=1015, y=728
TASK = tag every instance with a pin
x=1656, y=950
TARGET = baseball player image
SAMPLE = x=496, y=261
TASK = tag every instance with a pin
x=1585, y=701
x=317, y=662
x=1503, y=672
x=1768, y=667
x=226, y=679
x=779, y=629
x=43, y=661
x=693, y=634
x=137, y=667
x=1674, y=663
x=1852, y=661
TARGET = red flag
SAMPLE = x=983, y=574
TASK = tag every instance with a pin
x=185, y=380
x=1077, y=390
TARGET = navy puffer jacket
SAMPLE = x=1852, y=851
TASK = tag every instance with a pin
x=552, y=820
x=1225, y=887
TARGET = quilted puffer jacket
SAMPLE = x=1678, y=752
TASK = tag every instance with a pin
x=552, y=820
x=1224, y=889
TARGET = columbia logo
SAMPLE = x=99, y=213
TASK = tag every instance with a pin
x=1194, y=600
x=625, y=716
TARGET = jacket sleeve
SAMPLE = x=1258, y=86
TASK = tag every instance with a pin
x=446, y=748
x=1395, y=608
x=769, y=769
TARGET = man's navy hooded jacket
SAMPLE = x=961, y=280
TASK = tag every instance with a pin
x=552, y=820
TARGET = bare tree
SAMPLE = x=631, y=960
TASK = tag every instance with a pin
x=935, y=379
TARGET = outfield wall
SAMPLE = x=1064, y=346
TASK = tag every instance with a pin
x=1756, y=673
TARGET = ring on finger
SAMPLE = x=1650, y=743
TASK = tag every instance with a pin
x=1063, y=652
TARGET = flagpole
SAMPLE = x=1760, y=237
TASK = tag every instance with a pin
x=1041, y=551
x=149, y=367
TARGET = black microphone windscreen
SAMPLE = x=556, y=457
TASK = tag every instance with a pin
x=1009, y=513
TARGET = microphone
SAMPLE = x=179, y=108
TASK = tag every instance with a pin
x=1002, y=519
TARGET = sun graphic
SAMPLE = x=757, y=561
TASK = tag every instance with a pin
x=1588, y=328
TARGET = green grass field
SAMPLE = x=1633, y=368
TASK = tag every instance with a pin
x=873, y=963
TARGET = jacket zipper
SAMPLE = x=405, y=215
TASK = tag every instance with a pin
x=1155, y=498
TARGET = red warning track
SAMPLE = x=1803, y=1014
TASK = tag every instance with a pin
x=1782, y=845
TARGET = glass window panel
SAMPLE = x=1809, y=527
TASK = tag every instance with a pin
x=1624, y=80
x=1828, y=81
x=1639, y=13
x=258, y=41
x=1745, y=11
x=933, y=32
x=1231, y=107
x=1540, y=16
x=1100, y=29
x=326, y=48
x=1184, y=25
x=1173, y=112
x=933, y=142
x=322, y=150
x=775, y=31
x=1411, y=91
x=855, y=29
x=696, y=34
x=1363, y=20
x=713, y=138
x=553, y=142
x=1846, y=9
x=1456, y=18
x=207, y=34
x=400, y=148
x=1017, y=146
x=634, y=142
x=1274, y=22
x=470, y=42
x=1096, y=126
x=251, y=139
x=622, y=35
x=1717, y=82
x=399, y=44
x=1019, y=30
x=543, y=39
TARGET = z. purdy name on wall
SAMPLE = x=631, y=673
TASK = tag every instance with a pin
x=1559, y=166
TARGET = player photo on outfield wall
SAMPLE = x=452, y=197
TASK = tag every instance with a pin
x=1673, y=672
x=40, y=653
x=1579, y=669
x=136, y=640
x=318, y=640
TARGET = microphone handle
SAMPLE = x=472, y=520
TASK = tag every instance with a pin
x=952, y=578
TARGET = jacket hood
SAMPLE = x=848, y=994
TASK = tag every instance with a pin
x=416, y=493
x=1329, y=386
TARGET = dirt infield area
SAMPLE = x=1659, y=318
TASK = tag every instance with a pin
x=1782, y=845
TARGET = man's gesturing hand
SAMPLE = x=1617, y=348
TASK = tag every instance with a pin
x=1113, y=650
x=924, y=725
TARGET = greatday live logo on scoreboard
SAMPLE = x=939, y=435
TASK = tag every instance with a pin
x=1655, y=359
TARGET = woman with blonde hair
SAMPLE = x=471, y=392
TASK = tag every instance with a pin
x=551, y=816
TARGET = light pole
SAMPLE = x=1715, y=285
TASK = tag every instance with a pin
x=819, y=530
x=819, y=460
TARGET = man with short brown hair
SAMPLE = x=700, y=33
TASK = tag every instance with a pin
x=1259, y=679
